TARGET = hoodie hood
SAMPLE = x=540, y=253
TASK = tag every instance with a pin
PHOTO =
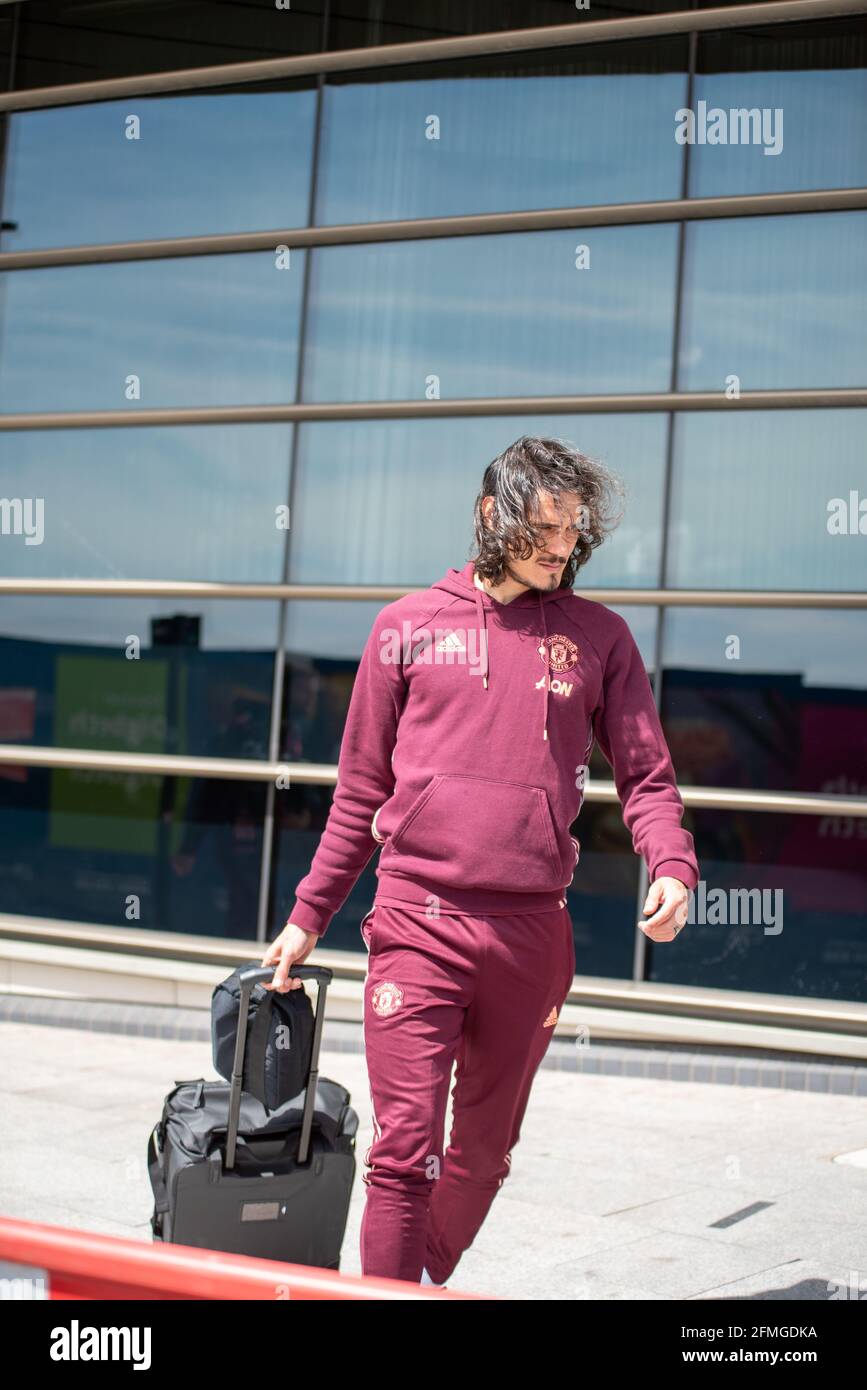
x=461, y=583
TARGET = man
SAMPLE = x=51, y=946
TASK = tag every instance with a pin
x=468, y=734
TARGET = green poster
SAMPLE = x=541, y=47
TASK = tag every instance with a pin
x=107, y=702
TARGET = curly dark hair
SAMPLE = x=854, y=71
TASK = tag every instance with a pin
x=514, y=480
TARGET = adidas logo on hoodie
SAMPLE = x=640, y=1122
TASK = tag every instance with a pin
x=450, y=643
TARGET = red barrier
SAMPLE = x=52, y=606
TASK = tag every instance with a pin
x=85, y=1265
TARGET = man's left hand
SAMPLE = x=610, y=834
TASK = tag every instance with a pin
x=668, y=900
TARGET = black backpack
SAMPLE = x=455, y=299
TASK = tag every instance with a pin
x=279, y=1041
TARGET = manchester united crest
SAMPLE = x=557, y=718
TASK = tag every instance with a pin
x=386, y=998
x=559, y=652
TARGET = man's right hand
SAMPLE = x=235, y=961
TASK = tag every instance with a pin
x=291, y=947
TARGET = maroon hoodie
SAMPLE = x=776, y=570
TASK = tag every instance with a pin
x=469, y=725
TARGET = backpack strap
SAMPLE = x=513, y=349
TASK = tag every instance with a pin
x=161, y=1196
x=257, y=1041
x=199, y=1083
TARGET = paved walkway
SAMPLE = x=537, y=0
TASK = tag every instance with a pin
x=622, y=1187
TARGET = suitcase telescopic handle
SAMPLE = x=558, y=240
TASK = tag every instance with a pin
x=257, y=975
x=249, y=979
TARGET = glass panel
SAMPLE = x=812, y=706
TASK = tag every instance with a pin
x=492, y=316
x=324, y=641
x=779, y=302
x=792, y=718
x=802, y=930
x=7, y=26
x=499, y=134
x=369, y=23
x=131, y=851
x=65, y=41
x=71, y=677
x=754, y=494
x=812, y=81
x=193, y=331
x=642, y=621
x=145, y=503
x=179, y=854
x=198, y=164
x=603, y=898
x=767, y=699
x=391, y=502
x=61, y=41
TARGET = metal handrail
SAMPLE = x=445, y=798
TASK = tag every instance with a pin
x=386, y=593
x=808, y=398
x=431, y=228
x=325, y=774
x=509, y=42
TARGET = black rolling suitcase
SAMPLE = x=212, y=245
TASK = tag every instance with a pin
x=228, y=1174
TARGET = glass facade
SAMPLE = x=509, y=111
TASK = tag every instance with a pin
x=756, y=698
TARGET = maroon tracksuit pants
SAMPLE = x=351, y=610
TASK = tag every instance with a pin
x=486, y=990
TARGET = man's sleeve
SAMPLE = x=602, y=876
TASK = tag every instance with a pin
x=365, y=778
x=628, y=730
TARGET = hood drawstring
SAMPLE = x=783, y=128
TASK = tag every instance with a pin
x=543, y=652
x=483, y=636
x=543, y=649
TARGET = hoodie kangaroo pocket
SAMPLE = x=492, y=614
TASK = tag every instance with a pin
x=478, y=832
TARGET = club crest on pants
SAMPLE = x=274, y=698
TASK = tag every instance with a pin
x=386, y=998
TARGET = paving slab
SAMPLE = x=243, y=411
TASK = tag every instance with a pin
x=622, y=1187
